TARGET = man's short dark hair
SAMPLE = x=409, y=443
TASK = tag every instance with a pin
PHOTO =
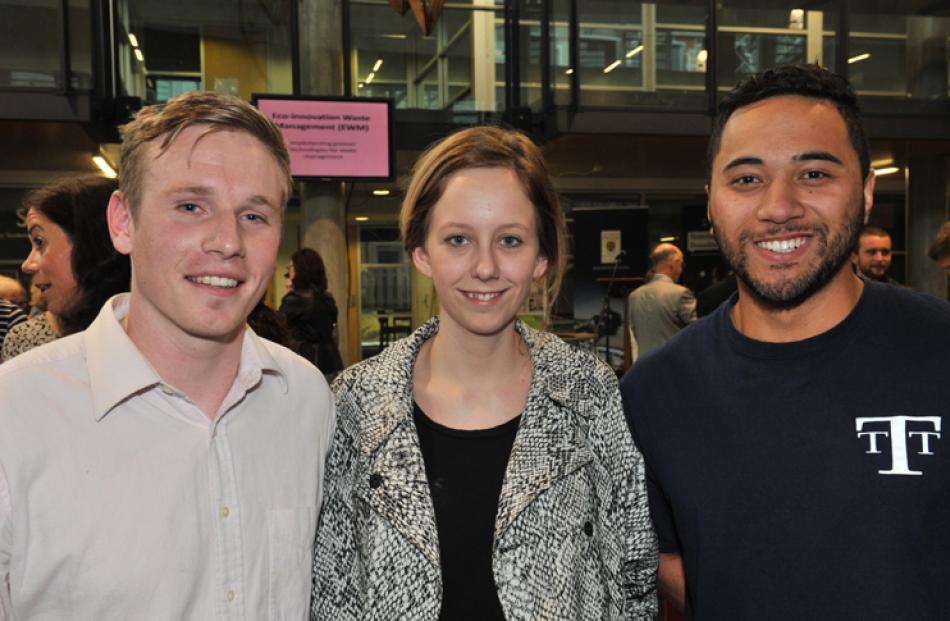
x=941, y=246
x=876, y=231
x=805, y=81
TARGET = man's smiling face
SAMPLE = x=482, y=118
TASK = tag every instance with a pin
x=786, y=198
x=205, y=236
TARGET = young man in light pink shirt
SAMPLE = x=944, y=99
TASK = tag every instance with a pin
x=167, y=463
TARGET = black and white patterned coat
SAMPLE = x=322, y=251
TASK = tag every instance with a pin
x=573, y=537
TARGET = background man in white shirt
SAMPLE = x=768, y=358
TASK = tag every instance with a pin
x=167, y=463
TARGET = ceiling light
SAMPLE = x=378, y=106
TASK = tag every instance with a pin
x=668, y=239
x=139, y=55
x=133, y=40
x=612, y=66
x=379, y=63
x=859, y=58
x=569, y=71
x=886, y=171
x=881, y=163
x=381, y=192
x=104, y=166
x=361, y=218
x=634, y=51
x=702, y=56
x=369, y=78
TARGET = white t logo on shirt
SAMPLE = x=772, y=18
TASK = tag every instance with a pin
x=900, y=438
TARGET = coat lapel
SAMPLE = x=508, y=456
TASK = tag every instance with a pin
x=551, y=442
x=394, y=482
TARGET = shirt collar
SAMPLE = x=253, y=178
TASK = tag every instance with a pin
x=118, y=370
x=661, y=277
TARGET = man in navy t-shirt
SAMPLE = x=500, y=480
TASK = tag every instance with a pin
x=794, y=444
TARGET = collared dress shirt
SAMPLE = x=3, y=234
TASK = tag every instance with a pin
x=121, y=499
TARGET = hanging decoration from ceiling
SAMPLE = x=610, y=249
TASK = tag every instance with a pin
x=426, y=12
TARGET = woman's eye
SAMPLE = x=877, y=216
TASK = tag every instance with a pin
x=38, y=242
x=455, y=240
x=510, y=241
x=188, y=207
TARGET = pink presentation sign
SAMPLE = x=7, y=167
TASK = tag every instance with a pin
x=333, y=138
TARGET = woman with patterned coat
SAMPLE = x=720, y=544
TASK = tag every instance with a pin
x=482, y=469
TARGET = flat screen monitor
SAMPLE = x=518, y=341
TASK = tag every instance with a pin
x=334, y=139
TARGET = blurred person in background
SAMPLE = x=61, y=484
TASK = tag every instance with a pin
x=310, y=312
x=12, y=290
x=872, y=257
x=940, y=249
x=12, y=296
x=482, y=469
x=72, y=261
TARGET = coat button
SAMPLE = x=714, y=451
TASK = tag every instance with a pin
x=588, y=529
x=375, y=480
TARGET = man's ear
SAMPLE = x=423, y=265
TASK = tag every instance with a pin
x=119, y=215
x=869, y=194
x=420, y=258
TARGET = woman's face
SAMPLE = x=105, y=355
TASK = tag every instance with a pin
x=289, y=276
x=481, y=250
x=49, y=263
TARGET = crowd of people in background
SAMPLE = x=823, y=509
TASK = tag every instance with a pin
x=779, y=457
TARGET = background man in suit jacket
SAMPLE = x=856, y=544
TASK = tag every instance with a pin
x=660, y=308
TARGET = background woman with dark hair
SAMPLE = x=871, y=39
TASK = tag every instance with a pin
x=73, y=263
x=310, y=313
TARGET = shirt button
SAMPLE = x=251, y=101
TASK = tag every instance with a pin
x=225, y=512
x=230, y=596
x=375, y=480
x=588, y=529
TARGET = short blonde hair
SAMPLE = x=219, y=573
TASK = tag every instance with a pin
x=487, y=147
x=166, y=121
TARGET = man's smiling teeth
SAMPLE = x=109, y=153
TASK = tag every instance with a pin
x=214, y=281
x=482, y=297
x=784, y=246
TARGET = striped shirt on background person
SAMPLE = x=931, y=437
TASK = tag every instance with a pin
x=10, y=315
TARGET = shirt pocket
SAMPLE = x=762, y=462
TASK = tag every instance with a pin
x=290, y=534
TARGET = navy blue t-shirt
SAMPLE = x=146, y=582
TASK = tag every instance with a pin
x=804, y=480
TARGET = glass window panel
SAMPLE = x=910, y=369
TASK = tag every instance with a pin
x=900, y=50
x=772, y=33
x=29, y=45
x=208, y=44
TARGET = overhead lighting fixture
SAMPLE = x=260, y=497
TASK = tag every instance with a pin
x=134, y=41
x=859, y=58
x=881, y=163
x=361, y=218
x=139, y=55
x=370, y=77
x=392, y=36
x=360, y=85
x=569, y=71
x=885, y=171
x=612, y=66
x=381, y=192
x=104, y=166
x=668, y=238
x=634, y=51
x=702, y=56
x=379, y=63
